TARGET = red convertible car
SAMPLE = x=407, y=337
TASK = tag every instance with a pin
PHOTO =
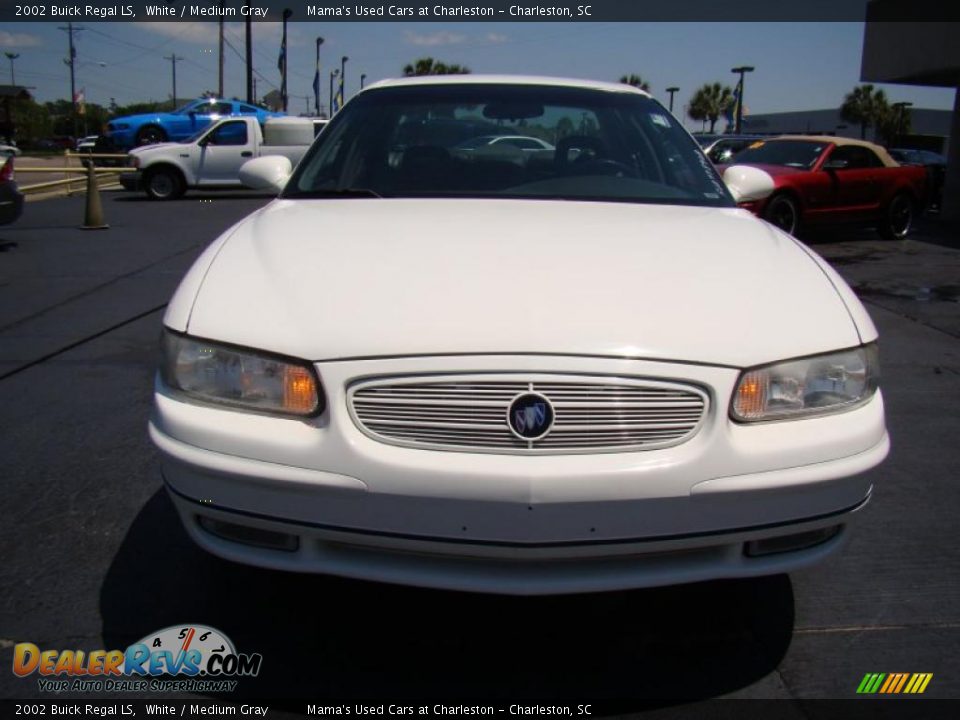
x=831, y=180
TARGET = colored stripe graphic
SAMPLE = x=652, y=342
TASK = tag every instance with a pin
x=894, y=683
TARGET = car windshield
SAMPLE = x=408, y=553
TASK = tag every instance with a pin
x=791, y=153
x=415, y=141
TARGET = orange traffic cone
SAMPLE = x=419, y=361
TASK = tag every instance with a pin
x=93, y=218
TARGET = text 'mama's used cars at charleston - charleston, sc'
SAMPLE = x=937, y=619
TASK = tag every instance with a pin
x=521, y=375
x=826, y=180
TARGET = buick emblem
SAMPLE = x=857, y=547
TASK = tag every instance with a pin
x=530, y=416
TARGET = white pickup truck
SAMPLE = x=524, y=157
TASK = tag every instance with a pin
x=212, y=158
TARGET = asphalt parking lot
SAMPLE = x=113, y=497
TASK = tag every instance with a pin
x=94, y=557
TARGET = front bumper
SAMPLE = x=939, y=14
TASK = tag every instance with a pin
x=132, y=181
x=346, y=504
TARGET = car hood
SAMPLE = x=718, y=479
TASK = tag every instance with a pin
x=773, y=171
x=154, y=149
x=328, y=279
x=134, y=120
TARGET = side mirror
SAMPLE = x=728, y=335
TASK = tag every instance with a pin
x=266, y=173
x=835, y=165
x=747, y=184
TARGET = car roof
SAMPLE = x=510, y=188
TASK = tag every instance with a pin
x=471, y=79
x=844, y=141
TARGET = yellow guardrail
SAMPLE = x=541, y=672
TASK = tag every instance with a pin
x=74, y=179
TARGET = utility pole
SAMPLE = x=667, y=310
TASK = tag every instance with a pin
x=173, y=61
x=71, y=61
x=220, y=83
x=343, y=80
x=11, y=57
x=363, y=79
x=251, y=93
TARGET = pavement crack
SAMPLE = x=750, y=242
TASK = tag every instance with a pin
x=874, y=628
x=92, y=290
x=81, y=341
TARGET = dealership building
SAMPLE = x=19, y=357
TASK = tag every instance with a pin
x=917, y=53
x=929, y=129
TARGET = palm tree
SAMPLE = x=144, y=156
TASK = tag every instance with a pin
x=636, y=81
x=709, y=102
x=893, y=122
x=429, y=66
x=865, y=106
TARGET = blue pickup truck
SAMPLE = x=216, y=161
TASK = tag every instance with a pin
x=130, y=131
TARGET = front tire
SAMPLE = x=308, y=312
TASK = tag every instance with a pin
x=784, y=212
x=150, y=135
x=163, y=184
x=898, y=217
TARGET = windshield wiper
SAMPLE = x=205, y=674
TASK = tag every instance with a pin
x=338, y=192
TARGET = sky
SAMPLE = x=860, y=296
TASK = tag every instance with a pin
x=799, y=66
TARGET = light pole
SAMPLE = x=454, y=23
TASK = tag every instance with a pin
x=901, y=116
x=672, y=90
x=343, y=79
x=363, y=78
x=742, y=70
x=287, y=12
x=316, y=79
x=251, y=93
x=11, y=57
x=333, y=74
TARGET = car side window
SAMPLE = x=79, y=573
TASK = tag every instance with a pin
x=223, y=108
x=855, y=157
x=248, y=109
x=234, y=133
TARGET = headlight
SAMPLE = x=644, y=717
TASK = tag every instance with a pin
x=224, y=375
x=809, y=386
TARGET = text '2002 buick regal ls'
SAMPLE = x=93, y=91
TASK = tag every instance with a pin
x=561, y=366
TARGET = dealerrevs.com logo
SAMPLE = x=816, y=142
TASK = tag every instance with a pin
x=200, y=658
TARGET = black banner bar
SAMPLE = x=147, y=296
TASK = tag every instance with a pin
x=12, y=11
x=867, y=708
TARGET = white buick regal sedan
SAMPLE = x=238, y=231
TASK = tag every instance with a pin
x=515, y=372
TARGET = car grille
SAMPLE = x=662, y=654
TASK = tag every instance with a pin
x=470, y=413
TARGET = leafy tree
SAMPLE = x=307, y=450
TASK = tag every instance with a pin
x=429, y=66
x=636, y=81
x=709, y=102
x=893, y=123
x=865, y=106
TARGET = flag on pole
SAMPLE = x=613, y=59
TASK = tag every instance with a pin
x=338, y=100
x=283, y=55
x=80, y=101
x=731, y=113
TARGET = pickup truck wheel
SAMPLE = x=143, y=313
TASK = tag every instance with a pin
x=163, y=184
x=150, y=135
x=898, y=217
x=782, y=211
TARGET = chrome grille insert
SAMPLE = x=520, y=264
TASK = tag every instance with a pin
x=469, y=413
